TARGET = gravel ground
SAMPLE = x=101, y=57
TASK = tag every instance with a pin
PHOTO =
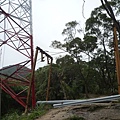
x=96, y=111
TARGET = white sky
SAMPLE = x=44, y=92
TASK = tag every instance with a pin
x=50, y=17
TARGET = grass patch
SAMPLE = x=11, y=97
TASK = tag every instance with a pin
x=37, y=112
x=75, y=118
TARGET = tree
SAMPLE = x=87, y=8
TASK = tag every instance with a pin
x=77, y=48
x=100, y=25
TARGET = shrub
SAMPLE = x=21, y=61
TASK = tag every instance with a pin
x=37, y=112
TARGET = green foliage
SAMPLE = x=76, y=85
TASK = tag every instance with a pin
x=37, y=112
x=9, y=105
x=89, y=43
x=70, y=30
x=12, y=116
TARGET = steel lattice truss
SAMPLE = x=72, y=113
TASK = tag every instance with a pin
x=16, y=32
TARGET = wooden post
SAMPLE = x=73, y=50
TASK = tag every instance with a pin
x=31, y=81
x=117, y=57
x=49, y=79
x=50, y=69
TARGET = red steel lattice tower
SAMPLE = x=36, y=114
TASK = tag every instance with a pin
x=16, y=34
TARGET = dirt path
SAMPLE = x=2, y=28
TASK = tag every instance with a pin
x=98, y=111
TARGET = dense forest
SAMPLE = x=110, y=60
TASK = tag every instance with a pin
x=88, y=67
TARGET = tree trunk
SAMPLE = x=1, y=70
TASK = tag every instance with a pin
x=106, y=66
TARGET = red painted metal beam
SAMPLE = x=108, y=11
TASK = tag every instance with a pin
x=9, y=91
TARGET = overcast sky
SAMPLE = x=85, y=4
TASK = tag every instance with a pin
x=50, y=16
x=49, y=19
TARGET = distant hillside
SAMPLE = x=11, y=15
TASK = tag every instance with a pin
x=19, y=69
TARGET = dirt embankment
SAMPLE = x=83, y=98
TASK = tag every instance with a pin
x=96, y=111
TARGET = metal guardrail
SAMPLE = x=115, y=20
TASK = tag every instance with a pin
x=54, y=101
x=88, y=101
